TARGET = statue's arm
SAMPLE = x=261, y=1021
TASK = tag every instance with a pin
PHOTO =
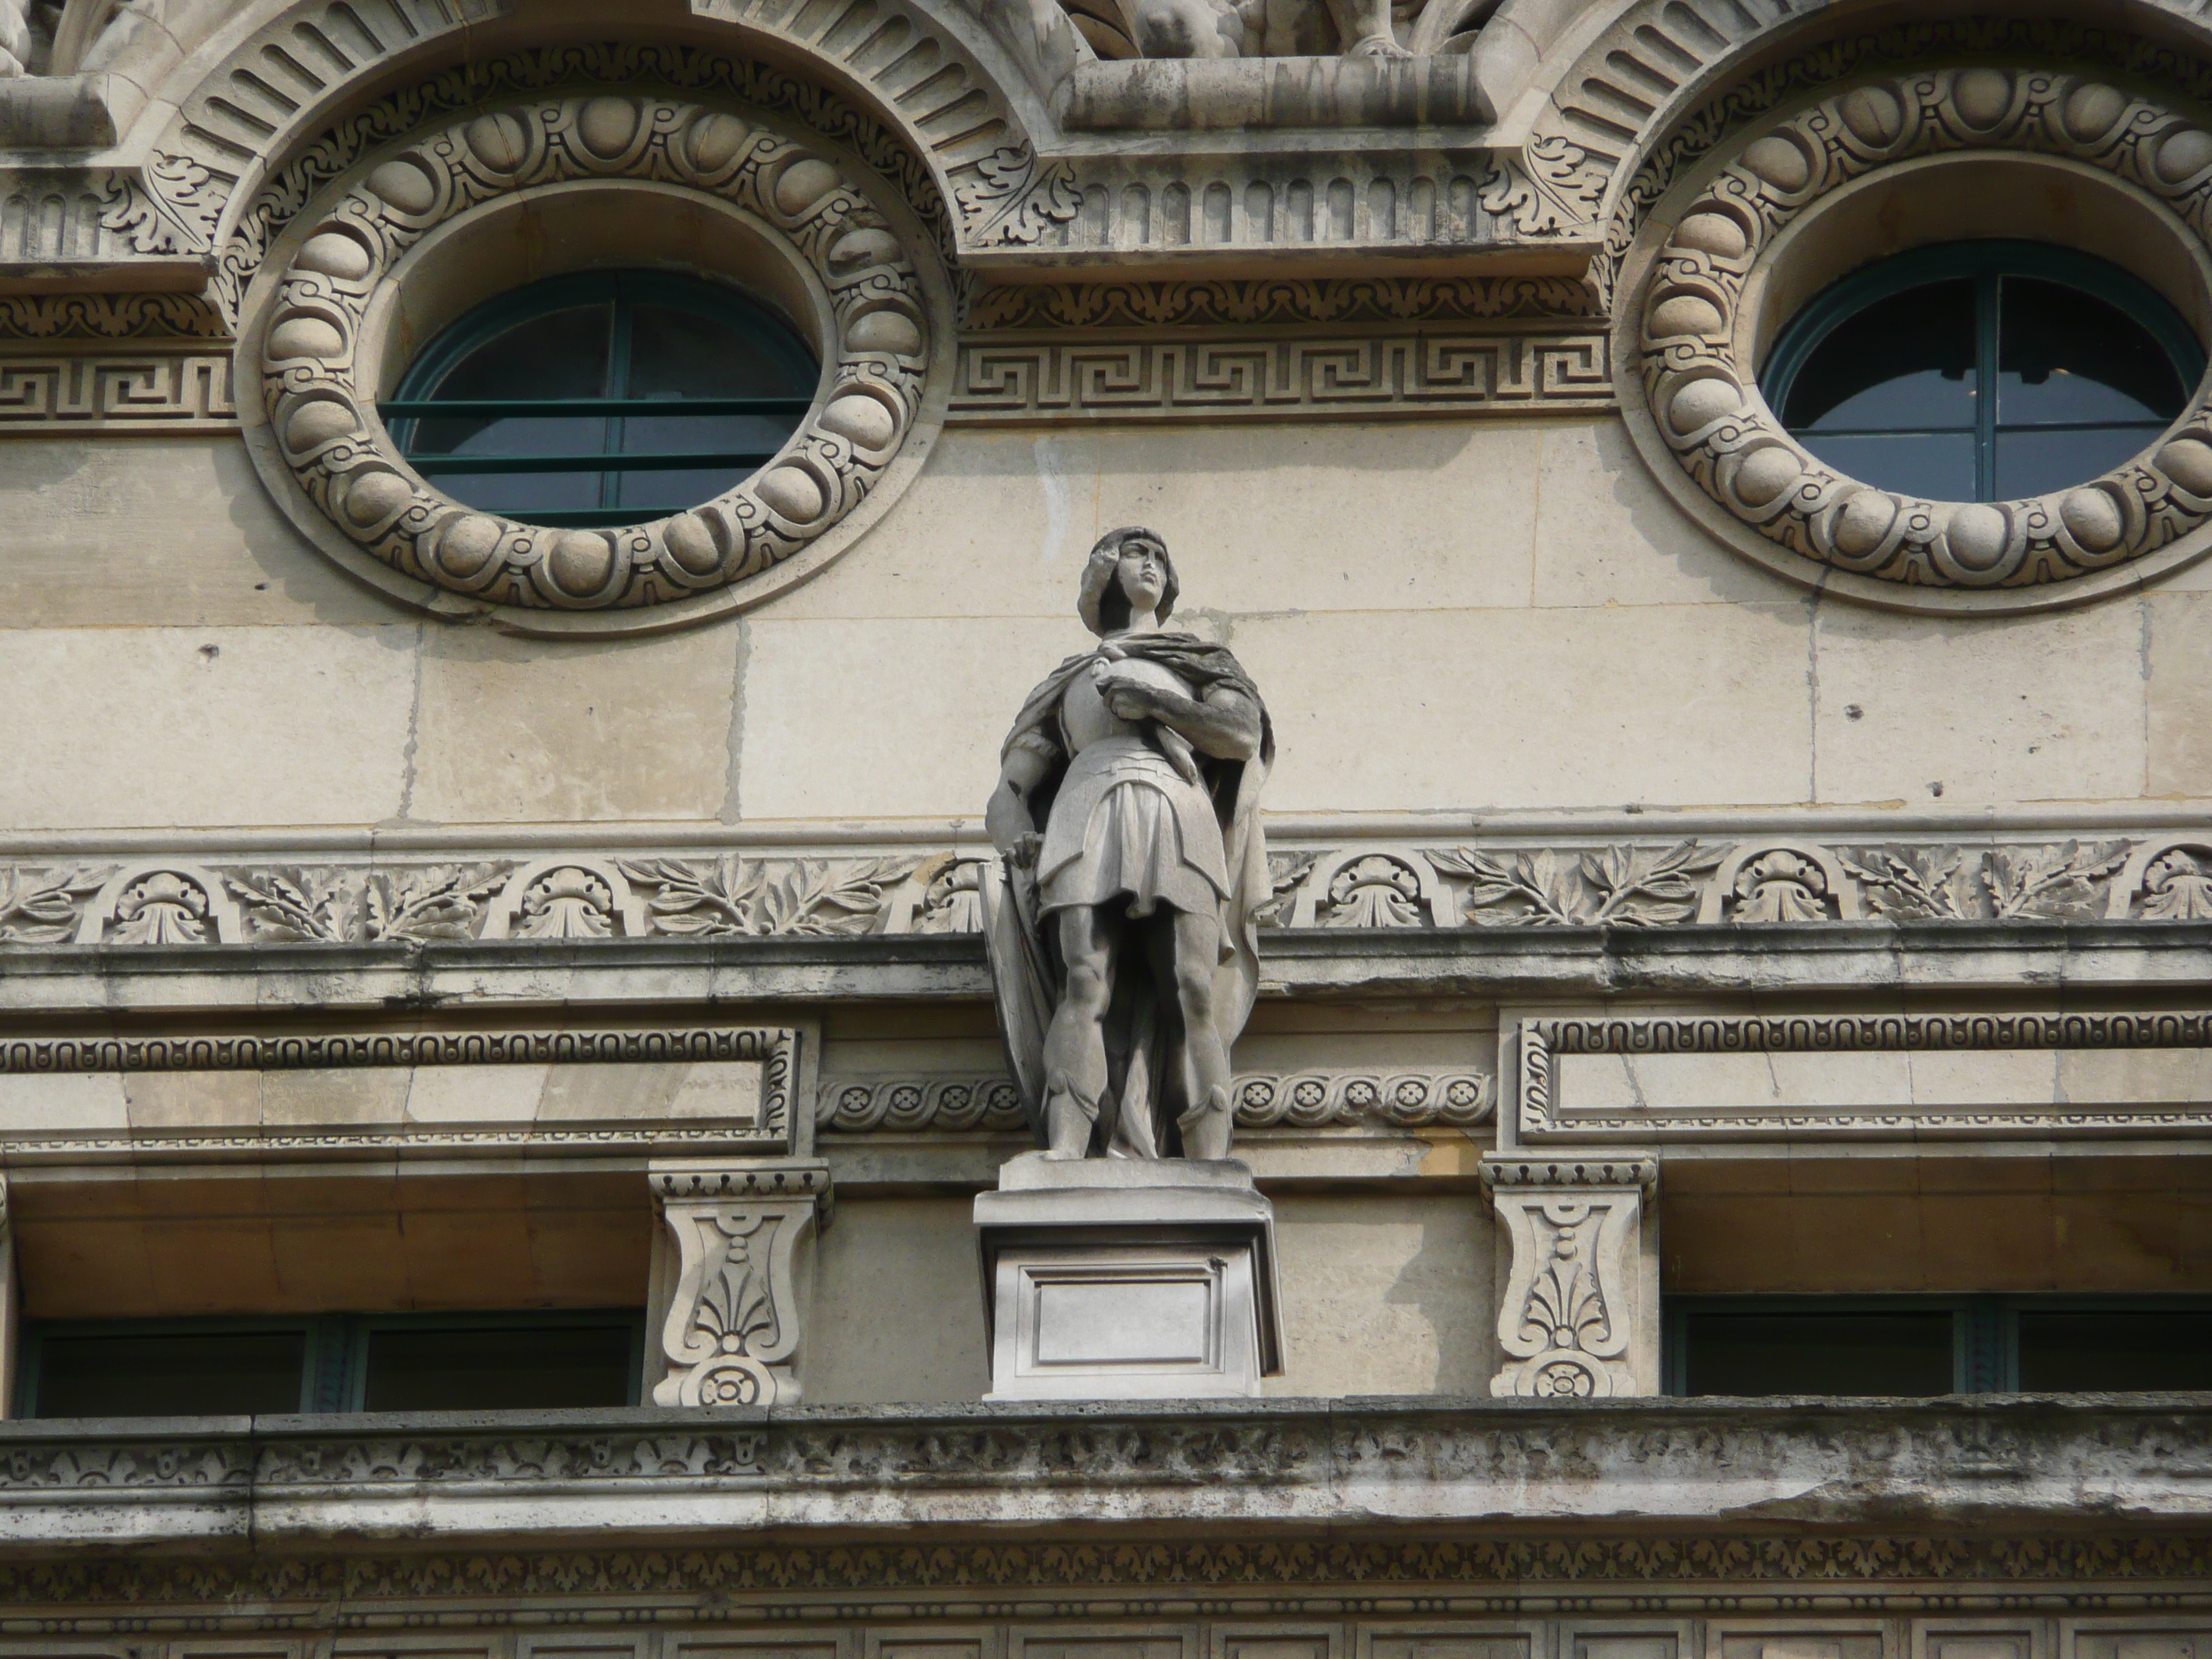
x=1224, y=723
x=1008, y=818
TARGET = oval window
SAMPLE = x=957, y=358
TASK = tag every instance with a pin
x=1982, y=371
x=607, y=398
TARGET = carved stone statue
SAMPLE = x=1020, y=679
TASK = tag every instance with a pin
x=1121, y=931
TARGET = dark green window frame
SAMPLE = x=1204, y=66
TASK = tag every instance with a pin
x=414, y=399
x=1985, y=261
x=334, y=1377
x=1985, y=1329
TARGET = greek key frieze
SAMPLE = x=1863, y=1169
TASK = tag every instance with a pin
x=999, y=379
x=128, y=392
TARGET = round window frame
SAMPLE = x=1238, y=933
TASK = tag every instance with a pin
x=489, y=319
x=1750, y=222
x=826, y=249
x=1887, y=276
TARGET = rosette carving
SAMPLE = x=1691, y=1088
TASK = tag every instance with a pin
x=321, y=410
x=1706, y=404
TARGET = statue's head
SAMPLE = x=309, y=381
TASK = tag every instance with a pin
x=1128, y=573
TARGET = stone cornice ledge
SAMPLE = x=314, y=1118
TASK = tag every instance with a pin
x=2074, y=962
x=812, y=1475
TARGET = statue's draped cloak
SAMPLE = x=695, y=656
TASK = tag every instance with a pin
x=1144, y=1032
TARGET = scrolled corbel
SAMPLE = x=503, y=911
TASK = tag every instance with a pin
x=729, y=1321
x=1577, y=1319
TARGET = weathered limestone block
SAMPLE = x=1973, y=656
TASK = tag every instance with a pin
x=729, y=1312
x=1579, y=1317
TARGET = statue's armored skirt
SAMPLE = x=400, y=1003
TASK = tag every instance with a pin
x=1127, y=822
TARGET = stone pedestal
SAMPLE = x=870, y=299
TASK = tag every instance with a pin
x=1106, y=1279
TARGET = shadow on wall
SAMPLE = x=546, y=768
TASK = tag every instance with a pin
x=1386, y=1296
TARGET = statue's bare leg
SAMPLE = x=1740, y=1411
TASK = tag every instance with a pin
x=1075, y=1043
x=1195, y=943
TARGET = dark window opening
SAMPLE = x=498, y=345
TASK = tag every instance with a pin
x=1913, y=1346
x=334, y=1363
x=1982, y=371
x=1845, y=1353
x=609, y=398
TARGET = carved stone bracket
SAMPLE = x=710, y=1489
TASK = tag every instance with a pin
x=1578, y=1318
x=730, y=1314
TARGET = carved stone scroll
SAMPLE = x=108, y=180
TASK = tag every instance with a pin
x=1577, y=1320
x=730, y=1327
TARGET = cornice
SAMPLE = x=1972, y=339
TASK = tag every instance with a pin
x=2049, y=964
x=1951, y=1472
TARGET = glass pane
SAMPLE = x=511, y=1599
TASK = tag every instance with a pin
x=682, y=353
x=1842, y=1354
x=1906, y=363
x=2064, y=357
x=214, y=1374
x=562, y=353
x=1936, y=466
x=492, y=1367
x=2115, y=1352
x=656, y=493
x=520, y=493
x=2030, y=463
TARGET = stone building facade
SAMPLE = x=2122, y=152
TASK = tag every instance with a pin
x=1713, y=879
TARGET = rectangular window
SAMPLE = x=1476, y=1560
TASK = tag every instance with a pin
x=357, y=1362
x=1866, y=1351
x=1909, y=1346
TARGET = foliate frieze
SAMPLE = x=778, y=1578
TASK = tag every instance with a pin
x=1264, y=1100
x=180, y=317
x=1365, y=885
x=318, y=394
x=1705, y=404
x=1054, y=376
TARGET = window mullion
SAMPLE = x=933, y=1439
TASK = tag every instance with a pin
x=612, y=436
x=1987, y=296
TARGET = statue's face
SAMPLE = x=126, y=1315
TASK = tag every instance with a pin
x=1144, y=574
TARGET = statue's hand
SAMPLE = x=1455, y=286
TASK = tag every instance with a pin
x=1023, y=855
x=1130, y=698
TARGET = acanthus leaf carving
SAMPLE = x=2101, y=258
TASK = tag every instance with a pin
x=734, y=895
x=2065, y=880
x=435, y=902
x=1631, y=885
x=1549, y=190
x=45, y=907
x=1015, y=201
x=1911, y=881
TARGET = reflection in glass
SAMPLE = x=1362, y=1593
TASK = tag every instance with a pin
x=1982, y=371
x=610, y=342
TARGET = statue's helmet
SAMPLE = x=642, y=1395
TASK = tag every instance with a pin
x=1101, y=569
